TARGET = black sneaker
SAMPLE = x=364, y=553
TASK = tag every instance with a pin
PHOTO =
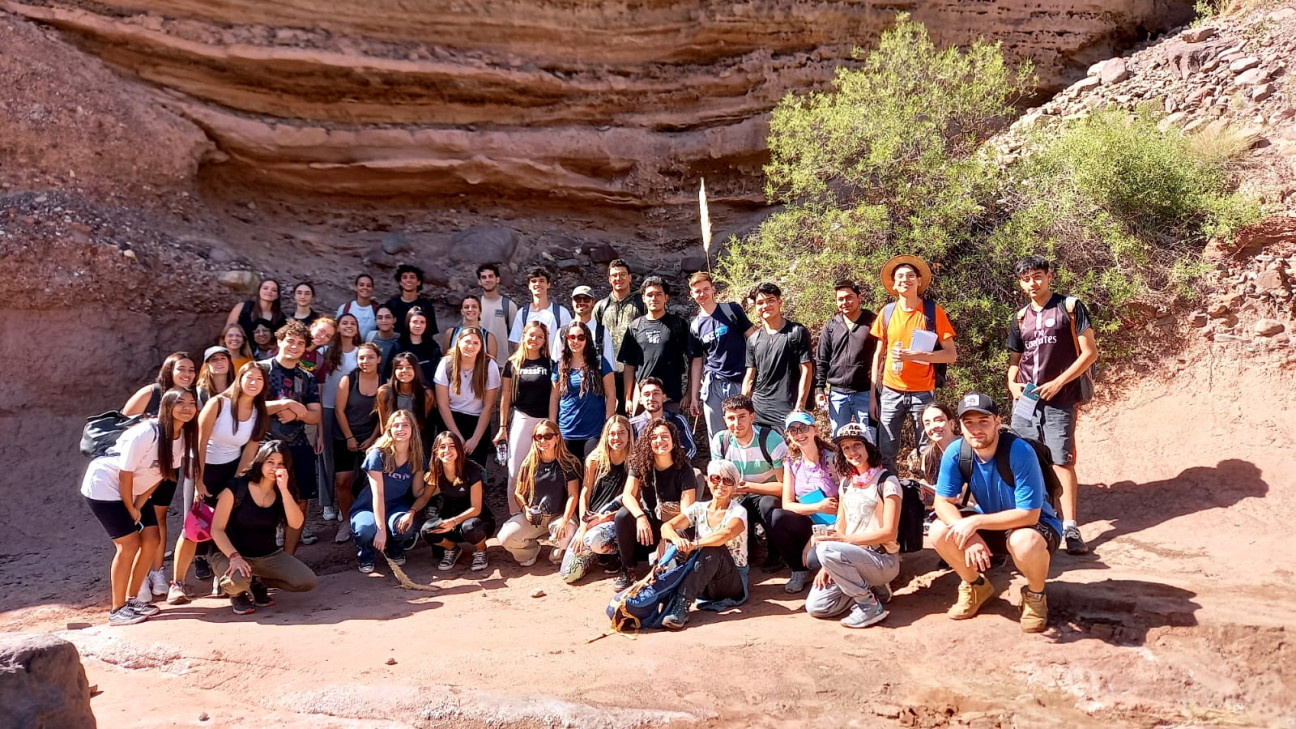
x=678, y=614
x=611, y=563
x=773, y=563
x=242, y=604
x=202, y=569
x=261, y=594
x=625, y=579
x=1074, y=543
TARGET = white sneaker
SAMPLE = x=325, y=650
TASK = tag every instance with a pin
x=343, y=533
x=158, y=582
x=145, y=593
x=330, y=513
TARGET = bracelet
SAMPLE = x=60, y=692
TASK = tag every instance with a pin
x=641, y=516
x=233, y=555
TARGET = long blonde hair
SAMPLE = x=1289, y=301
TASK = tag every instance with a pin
x=602, y=460
x=568, y=462
x=480, y=372
x=386, y=446
x=520, y=355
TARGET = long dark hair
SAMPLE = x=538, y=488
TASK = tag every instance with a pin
x=414, y=311
x=188, y=432
x=276, y=308
x=263, y=454
x=591, y=372
x=166, y=375
x=435, y=468
x=846, y=470
x=235, y=391
x=333, y=358
x=385, y=400
x=642, y=462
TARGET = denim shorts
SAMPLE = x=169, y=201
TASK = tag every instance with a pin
x=1052, y=426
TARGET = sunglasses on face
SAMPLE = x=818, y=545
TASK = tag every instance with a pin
x=795, y=429
x=718, y=480
x=577, y=337
x=543, y=437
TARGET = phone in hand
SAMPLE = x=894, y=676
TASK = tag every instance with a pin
x=1031, y=391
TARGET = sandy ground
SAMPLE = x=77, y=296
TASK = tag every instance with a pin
x=1179, y=618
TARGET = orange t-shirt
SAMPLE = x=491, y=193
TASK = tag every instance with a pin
x=915, y=377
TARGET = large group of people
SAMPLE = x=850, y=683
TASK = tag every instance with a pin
x=591, y=415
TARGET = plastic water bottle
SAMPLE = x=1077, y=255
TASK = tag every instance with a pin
x=896, y=365
x=501, y=452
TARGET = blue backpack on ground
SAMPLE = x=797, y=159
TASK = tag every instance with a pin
x=644, y=604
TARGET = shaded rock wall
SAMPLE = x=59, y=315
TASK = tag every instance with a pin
x=624, y=102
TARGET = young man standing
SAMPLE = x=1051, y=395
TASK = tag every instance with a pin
x=583, y=310
x=410, y=279
x=550, y=313
x=615, y=313
x=780, y=372
x=1012, y=519
x=292, y=398
x=652, y=398
x=843, y=381
x=907, y=375
x=758, y=452
x=657, y=345
x=498, y=311
x=364, y=308
x=1051, y=346
x=719, y=339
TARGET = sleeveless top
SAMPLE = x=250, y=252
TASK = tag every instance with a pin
x=361, y=413
x=251, y=527
x=155, y=400
x=227, y=439
x=405, y=402
x=247, y=320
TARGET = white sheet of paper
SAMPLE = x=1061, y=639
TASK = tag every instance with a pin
x=923, y=341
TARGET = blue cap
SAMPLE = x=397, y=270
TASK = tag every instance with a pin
x=798, y=417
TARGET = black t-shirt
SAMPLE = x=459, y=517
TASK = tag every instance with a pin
x=457, y=498
x=658, y=348
x=251, y=527
x=550, y=492
x=1043, y=339
x=777, y=358
x=427, y=352
x=400, y=309
x=666, y=485
x=609, y=486
x=533, y=387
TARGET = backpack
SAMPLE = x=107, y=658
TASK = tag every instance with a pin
x=553, y=309
x=101, y=432
x=645, y=603
x=1052, y=486
x=913, y=515
x=1085, y=382
x=762, y=440
x=929, y=323
x=347, y=308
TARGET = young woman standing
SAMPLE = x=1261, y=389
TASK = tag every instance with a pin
x=662, y=483
x=470, y=310
x=243, y=529
x=117, y=487
x=419, y=343
x=357, y=426
x=265, y=306
x=606, y=471
x=548, y=486
x=407, y=390
x=236, y=341
x=216, y=374
x=524, y=399
x=467, y=385
x=463, y=518
x=582, y=381
x=809, y=495
x=383, y=516
x=177, y=371
x=303, y=297
x=230, y=426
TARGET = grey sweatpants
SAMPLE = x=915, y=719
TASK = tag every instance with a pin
x=853, y=569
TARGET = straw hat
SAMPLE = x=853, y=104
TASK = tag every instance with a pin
x=888, y=268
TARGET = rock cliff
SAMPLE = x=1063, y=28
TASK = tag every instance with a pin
x=623, y=103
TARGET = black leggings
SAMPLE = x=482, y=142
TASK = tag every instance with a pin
x=789, y=533
x=474, y=530
x=628, y=542
x=467, y=425
x=714, y=576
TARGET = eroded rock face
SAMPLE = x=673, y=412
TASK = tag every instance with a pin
x=42, y=683
x=611, y=102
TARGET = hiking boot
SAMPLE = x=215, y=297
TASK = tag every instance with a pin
x=797, y=582
x=970, y=598
x=261, y=594
x=480, y=561
x=451, y=556
x=625, y=579
x=343, y=533
x=242, y=604
x=882, y=592
x=176, y=594
x=864, y=615
x=202, y=568
x=1034, y=611
x=124, y=615
x=308, y=537
x=677, y=616
x=1075, y=544
x=147, y=609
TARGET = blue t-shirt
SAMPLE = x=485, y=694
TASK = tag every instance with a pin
x=398, y=486
x=581, y=416
x=988, y=488
x=722, y=337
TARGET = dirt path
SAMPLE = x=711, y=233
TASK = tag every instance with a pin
x=1180, y=618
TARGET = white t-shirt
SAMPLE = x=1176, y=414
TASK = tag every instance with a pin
x=465, y=402
x=697, y=517
x=496, y=317
x=136, y=451
x=328, y=391
x=859, y=497
x=366, y=316
x=544, y=316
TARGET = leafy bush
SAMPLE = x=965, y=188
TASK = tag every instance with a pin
x=892, y=159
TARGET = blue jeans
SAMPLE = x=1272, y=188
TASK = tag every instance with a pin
x=364, y=527
x=892, y=411
x=714, y=392
x=847, y=407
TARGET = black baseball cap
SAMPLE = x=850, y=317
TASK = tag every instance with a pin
x=977, y=402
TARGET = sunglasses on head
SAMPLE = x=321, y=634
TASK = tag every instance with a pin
x=542, y=437
x=717, y=479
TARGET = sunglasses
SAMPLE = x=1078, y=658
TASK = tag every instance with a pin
x=577, y=337
x=543, y=437
x=717, y=480
x=799, y=428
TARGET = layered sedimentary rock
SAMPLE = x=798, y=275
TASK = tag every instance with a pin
x=623, y=102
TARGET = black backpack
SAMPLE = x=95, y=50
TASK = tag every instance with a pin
x=913, y=513
x=762, y=438
x=101, y=432
x=929, y=323
x=1052, y=486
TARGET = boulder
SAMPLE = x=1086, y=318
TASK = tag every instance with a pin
x=243, y=281
x=1262, y=92
x=602, y=253
x=1268, y=327
x=484, y=244
x=1110, y=71
x=1272, y=281
x=1246, y=63
x=692, y=263
x=393, y=243
x=42, y=683
x=1189, y=58
x=1085, y=84
x=1254, y=77
x=570, y=265
x=1197, y=35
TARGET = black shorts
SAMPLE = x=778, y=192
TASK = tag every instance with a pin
x=116, y=520
x=164, y=494
x=997, y=539
x=304, y=469
x=344, y=459
x=217, y=477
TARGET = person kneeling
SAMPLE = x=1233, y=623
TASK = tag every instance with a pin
x=1015, y=517
x=720, y=526
x=243, y=529
x=861, y=559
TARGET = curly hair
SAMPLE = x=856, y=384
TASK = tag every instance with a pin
x=642, y=461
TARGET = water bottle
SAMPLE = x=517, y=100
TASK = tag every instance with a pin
x=501, y=452
x=896, y=365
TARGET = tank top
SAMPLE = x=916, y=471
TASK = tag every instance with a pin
x=155, y=401
x=251, y=527
x=250, y=313
x=405, y=402
x=227, y=441
x=360, y=412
